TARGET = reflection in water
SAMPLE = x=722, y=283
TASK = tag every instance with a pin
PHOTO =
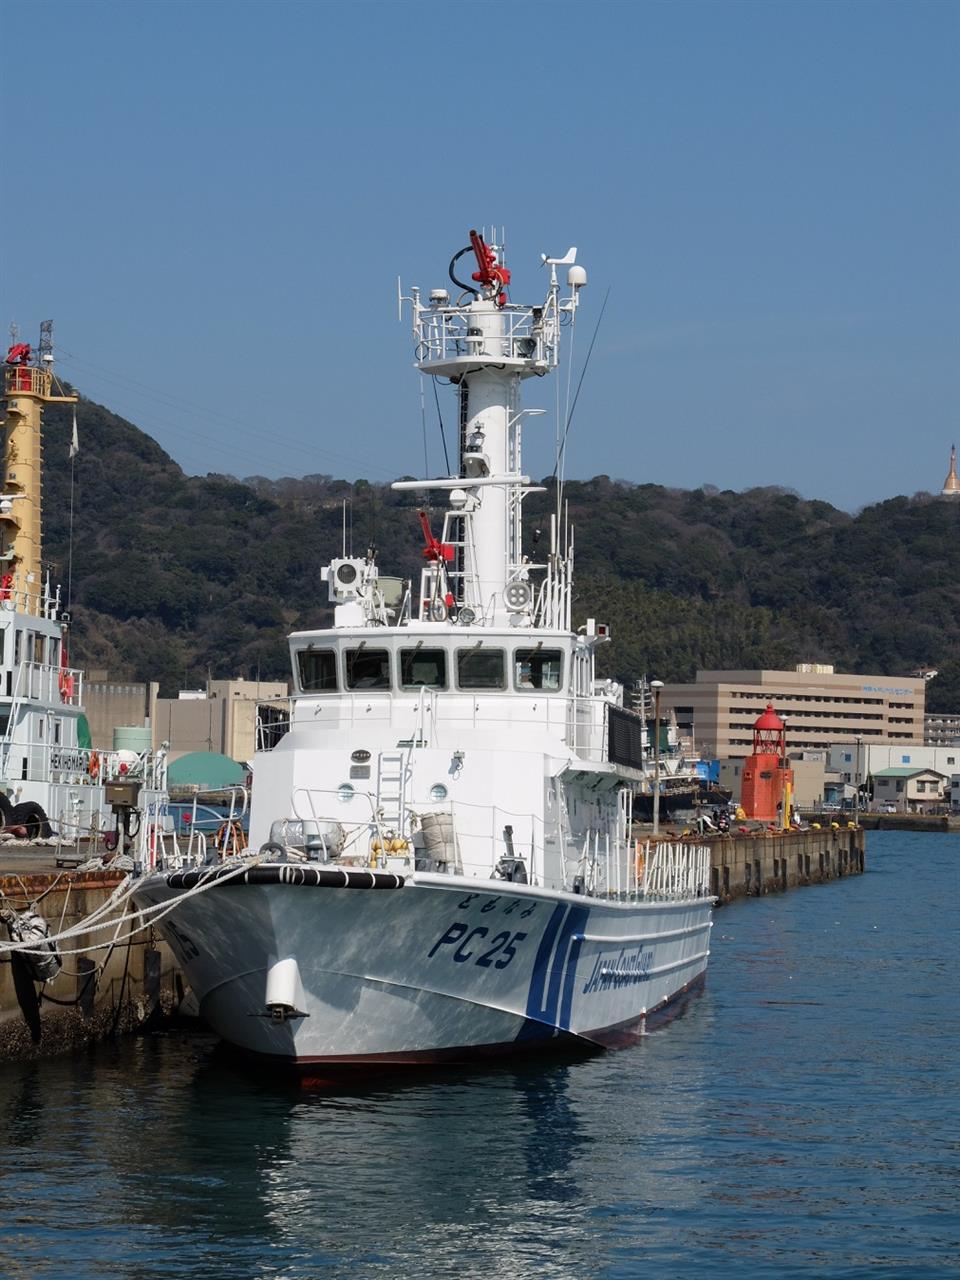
x=782, y=1124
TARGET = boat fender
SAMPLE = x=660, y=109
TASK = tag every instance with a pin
x=30, y=816
x=31, y=930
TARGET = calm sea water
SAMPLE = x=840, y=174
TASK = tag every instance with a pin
x=799, y=1118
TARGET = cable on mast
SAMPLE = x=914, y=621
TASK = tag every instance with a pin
x=583, y=374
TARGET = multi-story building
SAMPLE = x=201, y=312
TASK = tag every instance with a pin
x=820, y=707
x=941, y=729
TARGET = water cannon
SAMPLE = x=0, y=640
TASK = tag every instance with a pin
x=19, y=353
x=489, y=271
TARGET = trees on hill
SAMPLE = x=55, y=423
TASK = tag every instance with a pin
x=175, y=575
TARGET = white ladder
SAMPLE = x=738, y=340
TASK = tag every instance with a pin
x=391, y=789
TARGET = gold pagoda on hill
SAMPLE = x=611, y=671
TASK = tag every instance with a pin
x=951, y=486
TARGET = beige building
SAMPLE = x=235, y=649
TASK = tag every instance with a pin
x=819, y=706
x=110, y=704
x=221, y=718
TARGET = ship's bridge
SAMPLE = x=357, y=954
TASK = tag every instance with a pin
x=432, y=658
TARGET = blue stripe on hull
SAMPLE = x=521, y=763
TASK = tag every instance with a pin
x=550, y=998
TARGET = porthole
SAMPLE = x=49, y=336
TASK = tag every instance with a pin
x=344, y=792
x=438, y=792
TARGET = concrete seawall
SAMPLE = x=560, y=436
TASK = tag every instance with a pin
x=945, y=823
x=746, y=866
x=96, y=994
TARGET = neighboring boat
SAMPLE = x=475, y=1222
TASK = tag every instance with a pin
x=683, y=781
x=52, y=779
x=444, y=864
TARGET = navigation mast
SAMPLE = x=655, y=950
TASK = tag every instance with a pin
x=487, y=346
x=28, y=387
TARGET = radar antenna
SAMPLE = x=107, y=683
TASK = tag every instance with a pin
x=45, y=349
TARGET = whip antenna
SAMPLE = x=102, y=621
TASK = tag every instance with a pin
x=583, y=374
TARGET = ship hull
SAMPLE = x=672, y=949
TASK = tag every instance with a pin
x=319, y=967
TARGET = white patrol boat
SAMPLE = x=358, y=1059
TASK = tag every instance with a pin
x=53, y=780
x=443, y=861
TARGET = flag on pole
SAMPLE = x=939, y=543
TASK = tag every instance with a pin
x=74, y=442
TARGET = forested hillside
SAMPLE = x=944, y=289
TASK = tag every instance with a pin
x=175, y=576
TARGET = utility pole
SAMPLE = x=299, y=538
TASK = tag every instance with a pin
x=656, y=686
x=856, y=788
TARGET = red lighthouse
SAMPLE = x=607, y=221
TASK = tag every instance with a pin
x=767, y=778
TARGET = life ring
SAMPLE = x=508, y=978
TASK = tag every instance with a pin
x=66, y=686
x=93, y=765
x=6, y=586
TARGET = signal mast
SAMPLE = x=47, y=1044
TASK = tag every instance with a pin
x=28, y=388
x=487, y=347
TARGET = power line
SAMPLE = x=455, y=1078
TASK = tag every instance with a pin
x=174, y=402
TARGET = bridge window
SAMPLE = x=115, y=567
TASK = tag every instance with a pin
x=368, y=668
x=318, y=670
x=538, y=669
x=420, y=667
x=481, y=668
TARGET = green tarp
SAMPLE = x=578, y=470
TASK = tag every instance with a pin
x=205, y=769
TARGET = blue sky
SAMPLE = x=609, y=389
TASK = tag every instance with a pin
x=214, y=201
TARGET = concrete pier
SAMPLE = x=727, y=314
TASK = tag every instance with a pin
x=750, y=865
x=97, y=993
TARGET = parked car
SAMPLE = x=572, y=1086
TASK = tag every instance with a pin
x=887, y=807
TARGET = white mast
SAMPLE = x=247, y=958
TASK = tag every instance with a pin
x=487, y=346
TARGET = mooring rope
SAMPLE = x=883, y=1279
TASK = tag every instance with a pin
x=147, y=916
